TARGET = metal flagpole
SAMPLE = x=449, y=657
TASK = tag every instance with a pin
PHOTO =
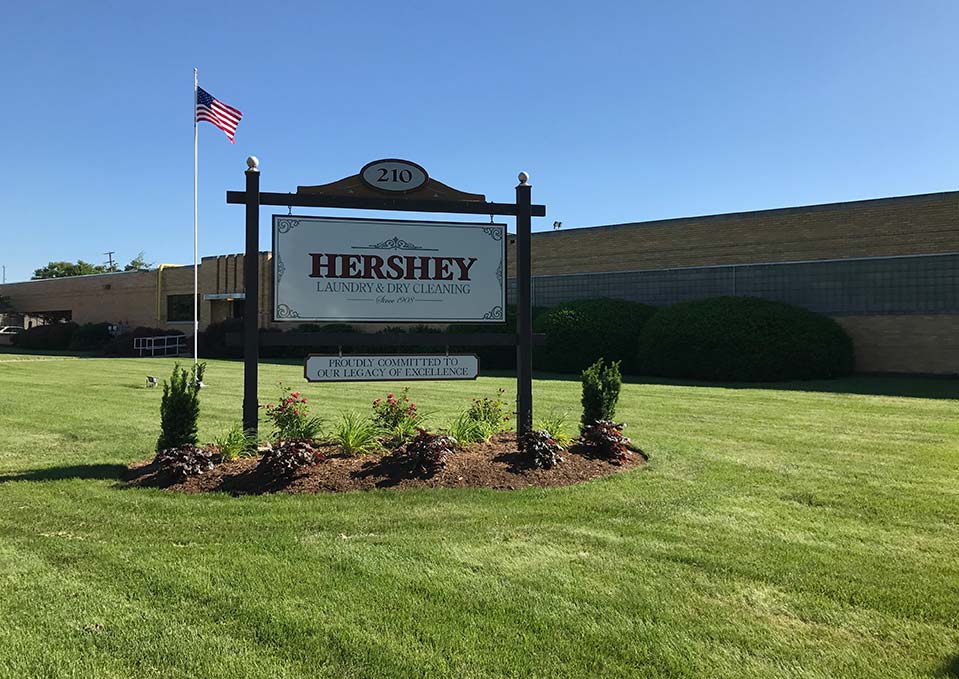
x=196, y=291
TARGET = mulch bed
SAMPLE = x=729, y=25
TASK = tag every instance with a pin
x=494, y=464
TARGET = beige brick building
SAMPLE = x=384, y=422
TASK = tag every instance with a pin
x=886, y=269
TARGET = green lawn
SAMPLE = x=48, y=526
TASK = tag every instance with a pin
x=809, y=531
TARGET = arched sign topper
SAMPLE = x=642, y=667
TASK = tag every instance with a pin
x=393, y=175
x=383, y=264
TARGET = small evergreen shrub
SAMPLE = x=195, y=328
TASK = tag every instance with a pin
x=542, y=447
x=285, y=458
x=743, y=339
x=290, y=417
x=601, y=384
x=429, y=451
x=185, y=461
x=581, y=331
x=605, y=439
x=180, y=407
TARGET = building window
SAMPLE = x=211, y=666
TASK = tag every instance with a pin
x=179, y=308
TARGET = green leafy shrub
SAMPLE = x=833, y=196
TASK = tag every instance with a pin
x=601, y=384
x=235, y=443
x=743, y=339
x=285, y=458
x=429, y=451
x=91, y=336
x=605, y=439
x=56, y=336
x=580, y=331
x=542, y=447
x=180, y=407
x=184, y=461
x=357, y=435
x=291, y=418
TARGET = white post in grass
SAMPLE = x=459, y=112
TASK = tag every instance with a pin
x=196, y=291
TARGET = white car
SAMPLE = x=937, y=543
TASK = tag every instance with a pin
x=6, y=334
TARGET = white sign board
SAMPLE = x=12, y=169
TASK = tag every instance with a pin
x=340, y=269
x=356, y=368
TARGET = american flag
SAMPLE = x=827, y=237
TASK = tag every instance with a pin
x=212, y=110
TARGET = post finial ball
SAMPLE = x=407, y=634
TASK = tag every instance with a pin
x=253, y=163
x=523, y=178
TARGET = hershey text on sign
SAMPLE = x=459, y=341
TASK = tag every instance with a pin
x=357, y=368
x=340, y=269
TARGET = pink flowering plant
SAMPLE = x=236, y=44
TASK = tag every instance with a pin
x=291, y=418
x=492, y=412
x=398, y=417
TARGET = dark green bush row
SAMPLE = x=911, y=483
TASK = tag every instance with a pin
x=90, y=336
x=743, y=339
x=53, y=336
x=581, y=331
x=723, y=338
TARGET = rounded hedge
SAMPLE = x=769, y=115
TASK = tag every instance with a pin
x=581, y=331
x=743, y=339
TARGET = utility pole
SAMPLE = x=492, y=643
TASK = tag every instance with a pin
x=110, y=259
x=4, y=273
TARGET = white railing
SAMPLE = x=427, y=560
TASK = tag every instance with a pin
x=169, y=345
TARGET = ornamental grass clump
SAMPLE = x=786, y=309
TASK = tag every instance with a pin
x=429, y=451
x=180, y=407
x=544, y=450
x=398, y=417
x=285, y=458
x=235, y=443
x=605, y=439
x=357, y=435
x=291, y=418
x=185, y=461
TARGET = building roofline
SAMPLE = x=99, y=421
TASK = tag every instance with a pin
x=95, y=275
x=730, y=216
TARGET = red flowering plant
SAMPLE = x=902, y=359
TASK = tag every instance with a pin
x=398, y=417
x=291, y=418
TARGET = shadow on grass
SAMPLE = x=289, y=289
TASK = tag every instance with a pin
x=950, y=670
x=939, y=387
x=106, y=472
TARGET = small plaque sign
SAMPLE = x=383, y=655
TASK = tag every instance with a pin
x=394, y=175
x=392, y=367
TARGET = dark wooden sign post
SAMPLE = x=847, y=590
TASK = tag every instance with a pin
x=360, y=193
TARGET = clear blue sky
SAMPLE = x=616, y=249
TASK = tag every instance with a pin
x=621, y=111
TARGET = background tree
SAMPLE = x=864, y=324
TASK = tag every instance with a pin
x=65, y=269
x=82, y=268
x=138, y=263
